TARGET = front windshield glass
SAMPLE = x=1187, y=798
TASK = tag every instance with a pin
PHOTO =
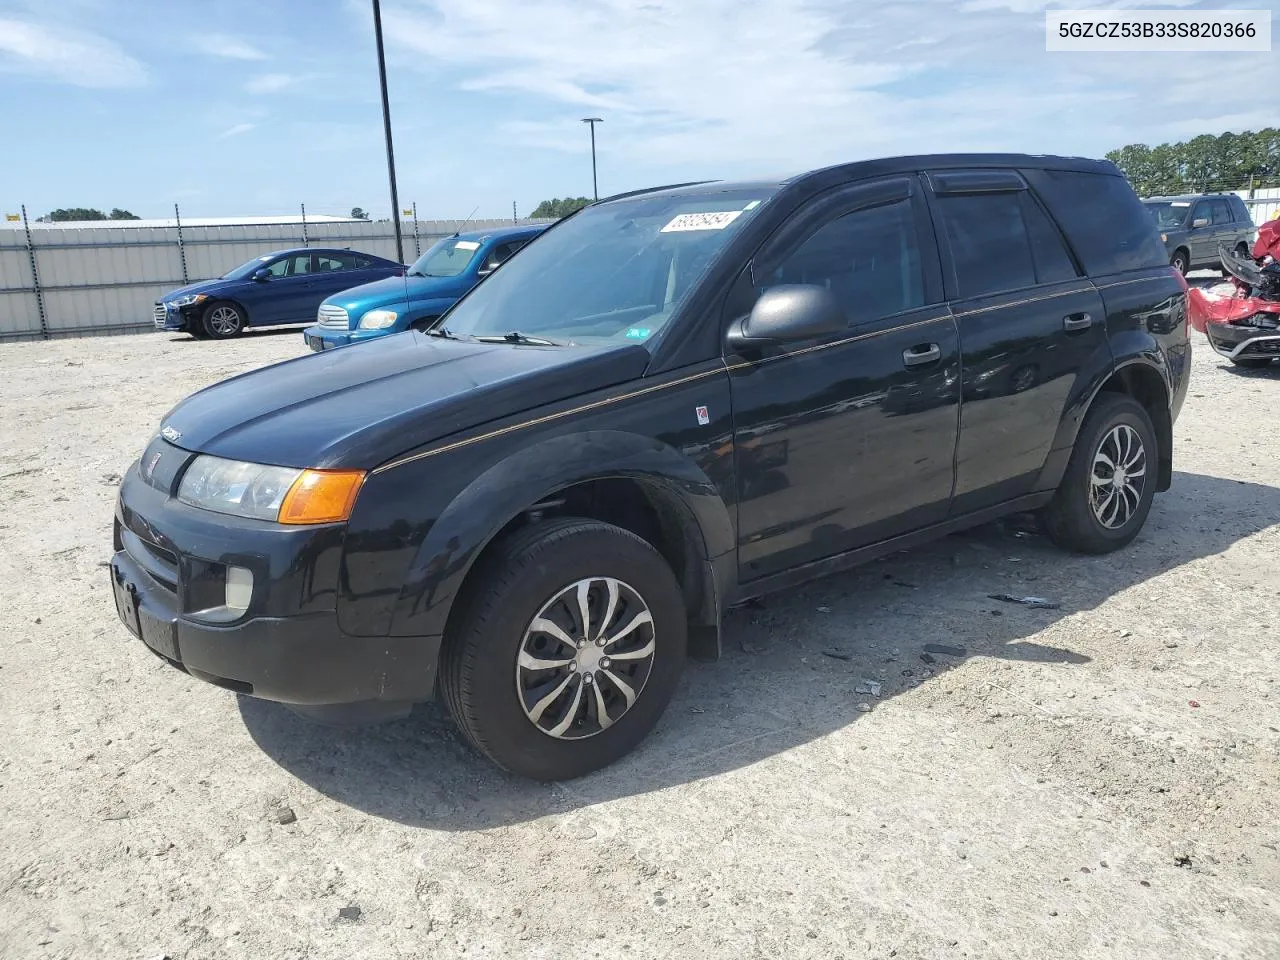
x=1167, y=213
x=242, y=271
x=614, y=272
x=448, y=258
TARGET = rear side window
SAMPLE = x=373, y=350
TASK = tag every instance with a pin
x=870, y=259
x=1240, y=210
x=1052, y=261
x=1103, y=219
x=989, y=243
x=1221, y=212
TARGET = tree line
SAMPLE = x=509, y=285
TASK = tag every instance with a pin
x=557, y=208
x=65, y=214
x=1229, y=161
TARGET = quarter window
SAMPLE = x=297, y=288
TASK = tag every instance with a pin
x=870, y=259
x=989, y=243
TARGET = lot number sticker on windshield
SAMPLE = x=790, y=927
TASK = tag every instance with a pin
x=714, y=220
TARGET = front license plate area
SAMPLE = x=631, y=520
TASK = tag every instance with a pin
x=160, y=635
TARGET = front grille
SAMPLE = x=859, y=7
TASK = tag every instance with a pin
x=333, y=318
x=159, y=563
x=161, y=315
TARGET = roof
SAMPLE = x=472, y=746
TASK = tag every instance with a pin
x=887, y=167
x=500, y=232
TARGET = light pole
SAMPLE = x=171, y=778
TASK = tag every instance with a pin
x=386, y=127
x=591, y=122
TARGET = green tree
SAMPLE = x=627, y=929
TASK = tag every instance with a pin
x=64, y=214
x=118, y=214
x=358, y=213
x=1229, y=161
x=558, y=208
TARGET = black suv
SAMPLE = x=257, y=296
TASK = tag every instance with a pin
x=670, y=402
x=1193, y=226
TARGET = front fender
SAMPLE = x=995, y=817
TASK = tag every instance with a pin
x=507, y=488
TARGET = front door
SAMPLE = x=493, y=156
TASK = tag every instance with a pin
x=848, y=440
x=1029, y=324
x=285, y=296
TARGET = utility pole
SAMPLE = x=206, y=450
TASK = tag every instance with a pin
x=386, y=126
x=591, y=122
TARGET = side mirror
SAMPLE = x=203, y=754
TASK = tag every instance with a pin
x=262, y=273
x=1200, y=222
x=787, y=314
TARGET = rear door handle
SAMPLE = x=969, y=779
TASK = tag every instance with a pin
x=921, y=354
x=1074, y=322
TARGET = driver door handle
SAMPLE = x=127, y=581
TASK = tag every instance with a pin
x=1074, y=322
x=921, y=354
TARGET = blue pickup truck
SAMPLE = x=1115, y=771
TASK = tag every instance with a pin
x=435, y=282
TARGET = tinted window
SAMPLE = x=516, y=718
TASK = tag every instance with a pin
x=501, y=254
x=989, y=244
x=1221, y=212
x=1240, y=210
x=1103, y=219
x=326, y=262
x=1052, y=261
x=291, y=266
x=869, y=258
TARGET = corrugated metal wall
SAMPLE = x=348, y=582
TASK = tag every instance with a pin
x=101, y=280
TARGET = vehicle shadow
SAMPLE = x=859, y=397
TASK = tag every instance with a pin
x=253, y=333
x=1269, y=372
x=791, y=667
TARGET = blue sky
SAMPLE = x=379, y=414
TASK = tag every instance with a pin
x=236, y=107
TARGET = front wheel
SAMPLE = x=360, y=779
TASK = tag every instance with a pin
x=568, y=650
x=1251, y=363
x=223, y=320
x=1110, y=481
x=1181, y=261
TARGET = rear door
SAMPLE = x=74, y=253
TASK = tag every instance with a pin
x=335, y=271
x=847, y=440
x=1201, y=239
x=1028, y=322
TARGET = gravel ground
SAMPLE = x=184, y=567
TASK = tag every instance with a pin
x=1095, y=781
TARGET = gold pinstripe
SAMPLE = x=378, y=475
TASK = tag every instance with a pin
x=597, y=404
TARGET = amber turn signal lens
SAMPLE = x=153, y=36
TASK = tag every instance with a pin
x=321, y=496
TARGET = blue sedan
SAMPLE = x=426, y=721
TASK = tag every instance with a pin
x=282, y=287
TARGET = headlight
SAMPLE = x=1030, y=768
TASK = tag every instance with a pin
x=1164, y=238
x=378, y=319
x=189, y=299
x=279, y=494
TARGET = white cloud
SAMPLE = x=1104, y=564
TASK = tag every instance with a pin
x=730, y=86
x=70, y=56
x=237, y=130
x=271, y=82
x=228, y=47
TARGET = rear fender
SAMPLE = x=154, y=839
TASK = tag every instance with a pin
x=509, y=488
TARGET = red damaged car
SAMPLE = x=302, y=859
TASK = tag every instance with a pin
x=1241, y=316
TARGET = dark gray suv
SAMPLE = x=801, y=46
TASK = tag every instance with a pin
x=1192, y=227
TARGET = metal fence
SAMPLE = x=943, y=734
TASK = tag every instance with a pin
x=85, y=281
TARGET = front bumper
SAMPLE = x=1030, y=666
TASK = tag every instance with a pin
x=288, y=647
x=325, y=338
x=1239, y=342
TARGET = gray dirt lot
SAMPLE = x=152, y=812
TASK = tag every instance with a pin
x=1053, y=793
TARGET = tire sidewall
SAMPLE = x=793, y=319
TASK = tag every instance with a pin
x=205, y=320
x=1183, y=266
x=497, y=720
x=1113, y=415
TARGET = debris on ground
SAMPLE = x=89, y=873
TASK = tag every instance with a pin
x=284, y=815
x=1193, y=703
x=927, y=659
x=868, y=686
x=864, y=708
x=1038, y=603
x=836, y=655
x=944, y=650
x=351, y=913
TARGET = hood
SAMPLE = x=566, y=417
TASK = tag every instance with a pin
x=203, y=286
x=362, y=405
x=391, y=290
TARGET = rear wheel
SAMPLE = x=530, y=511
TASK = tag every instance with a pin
x=1181, y=261
x=1252, y=363
x=1110, y=482
x=568, y=650
x=223, y=320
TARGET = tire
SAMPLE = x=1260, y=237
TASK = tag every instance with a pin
x=504, y=707
x=223, y=320
x=1074, y=519
x=197, y=330
x=1242, y=250
x=1252, y=363
x=1181, y=261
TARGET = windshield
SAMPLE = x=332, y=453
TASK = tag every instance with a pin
x=614, y=272
x=448, y=258
x=1167, y=213
x=242, y=271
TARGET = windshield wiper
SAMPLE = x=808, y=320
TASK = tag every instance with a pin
x=515, y=336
